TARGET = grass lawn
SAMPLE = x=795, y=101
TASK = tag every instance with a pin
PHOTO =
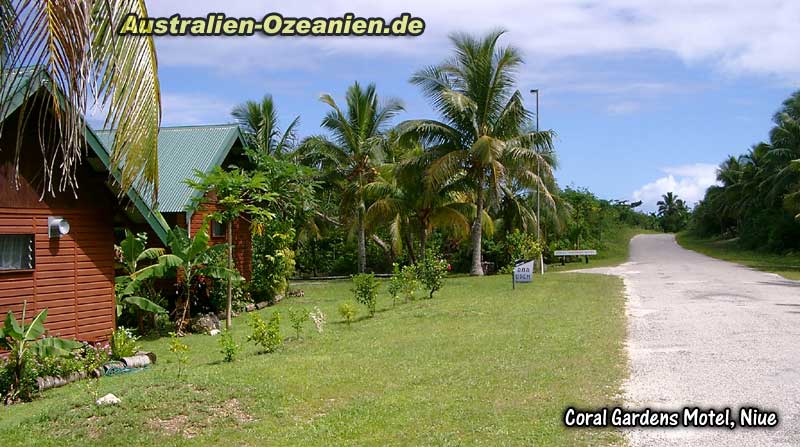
x=787, y=266
x=614, y=253
x=477, y=365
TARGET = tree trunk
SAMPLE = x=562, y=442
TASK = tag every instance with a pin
x=182, y=321
x=477, y=232
x=410, y=248
x=229, y=307
x=423, y=239
x=362, y=241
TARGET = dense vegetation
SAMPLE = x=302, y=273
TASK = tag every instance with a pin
x=757, y=199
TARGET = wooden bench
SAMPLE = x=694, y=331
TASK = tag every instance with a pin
x=585, y=253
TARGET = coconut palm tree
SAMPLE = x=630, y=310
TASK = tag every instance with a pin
x=482, y=135
x=260, y=124
x=404, y=199
x=75, y=46
x=349, y=158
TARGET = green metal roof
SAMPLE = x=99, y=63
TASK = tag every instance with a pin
x=181, y=151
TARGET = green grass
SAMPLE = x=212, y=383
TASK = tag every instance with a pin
x=615, y=250
x=479, y=364
x=786, y=265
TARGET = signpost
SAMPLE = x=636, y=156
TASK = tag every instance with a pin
x=523, y=272
x=584, y=253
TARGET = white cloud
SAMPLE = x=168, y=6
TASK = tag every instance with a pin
x=688, y=182
x=746, y=36
x=623, y=107
x=185, y=109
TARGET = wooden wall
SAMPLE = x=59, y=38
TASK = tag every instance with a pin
x=73, y=276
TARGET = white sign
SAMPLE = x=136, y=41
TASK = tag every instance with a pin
x=575, y=252
x=523, y=272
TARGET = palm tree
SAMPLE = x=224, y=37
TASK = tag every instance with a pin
x=260, y=124
x=668, y=204
x=482, y=135
x=77, y=47
x=407, y=201
x=349, y=159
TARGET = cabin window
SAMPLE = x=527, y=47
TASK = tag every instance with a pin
x=217, y=229
x=16, y=252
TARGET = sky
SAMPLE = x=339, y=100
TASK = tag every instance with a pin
x=645, y=97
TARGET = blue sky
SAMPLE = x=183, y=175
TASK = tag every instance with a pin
x=645, y=97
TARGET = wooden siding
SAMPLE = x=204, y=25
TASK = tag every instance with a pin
x=73, y=276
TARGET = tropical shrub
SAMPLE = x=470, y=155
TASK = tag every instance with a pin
x=273, y=260
x=431, y=272
x=24, y=345
x=410, y=283
x=298, y=318
x=123, y=343
x=135, y=293
x=266, y=334
x=365, y=291
x=228, y=346
x=348, y=312
x=395, y=283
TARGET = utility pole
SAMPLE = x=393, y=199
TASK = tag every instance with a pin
x=538, y=189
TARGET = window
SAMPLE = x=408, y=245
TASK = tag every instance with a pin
x=16, y=252
x=217, y=229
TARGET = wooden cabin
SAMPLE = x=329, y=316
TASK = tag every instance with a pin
x=183, y=151
x=57, y=250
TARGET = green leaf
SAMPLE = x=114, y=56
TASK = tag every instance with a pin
x=54, y=346
x=36, y=328
x=145, y=304
x=12, y=328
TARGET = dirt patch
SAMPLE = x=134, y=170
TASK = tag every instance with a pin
x=229, y=411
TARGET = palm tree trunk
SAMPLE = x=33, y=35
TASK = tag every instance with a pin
x=362, y=242
x=229, y=307
x=410, y=247
x=423, y=239
x=477, y=229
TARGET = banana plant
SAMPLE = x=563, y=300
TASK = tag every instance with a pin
x=129, y=286
x=24, y=340
x=189, y=257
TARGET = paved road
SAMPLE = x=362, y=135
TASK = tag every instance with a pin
x=710, y=333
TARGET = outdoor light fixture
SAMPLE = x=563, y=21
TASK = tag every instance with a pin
x=57, y=226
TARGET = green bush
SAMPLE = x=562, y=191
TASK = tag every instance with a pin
x=365, y=291
x=348, y=312
x=273, y=260
x=410, y=282
x=395, y=283
x=431, y=272
x=266, y=334
x=298, y=318
x=123, y=343
x=228, y=347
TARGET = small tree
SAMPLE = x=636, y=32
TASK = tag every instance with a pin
x=365, y=291
x=237, y=194
x=431, y=272
x=395, y=283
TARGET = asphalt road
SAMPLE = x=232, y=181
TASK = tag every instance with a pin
x=712, y=334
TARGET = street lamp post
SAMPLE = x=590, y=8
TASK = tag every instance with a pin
x=538, y=188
